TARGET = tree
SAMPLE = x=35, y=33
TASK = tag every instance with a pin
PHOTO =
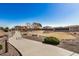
x=28, y=25
x=47, y=27
x=6, y=29
x=36, y=25
x=1, y=28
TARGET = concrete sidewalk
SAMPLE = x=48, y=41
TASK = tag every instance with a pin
x=33, y=48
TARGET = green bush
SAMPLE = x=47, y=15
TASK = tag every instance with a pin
x=0, y=47
x=51, y=40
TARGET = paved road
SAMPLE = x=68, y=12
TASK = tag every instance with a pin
x=33, y=48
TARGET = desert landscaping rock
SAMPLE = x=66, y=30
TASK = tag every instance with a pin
x=11, y=51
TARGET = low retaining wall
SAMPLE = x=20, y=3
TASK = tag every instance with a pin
x=3, y=43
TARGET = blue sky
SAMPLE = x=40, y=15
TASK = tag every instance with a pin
x=54, y=14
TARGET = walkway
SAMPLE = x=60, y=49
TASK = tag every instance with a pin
x=33, y=48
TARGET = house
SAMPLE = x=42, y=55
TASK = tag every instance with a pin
x=21, y=28
x=74, y=28
x=61, y=29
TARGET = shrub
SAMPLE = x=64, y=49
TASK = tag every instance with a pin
x=6, y=29
x=51, y=40
x=0, y=47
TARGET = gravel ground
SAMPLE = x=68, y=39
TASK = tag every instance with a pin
x=33, y=48
x=36, y=38
x=11, y=51
x=69, y=44
x=72, y=45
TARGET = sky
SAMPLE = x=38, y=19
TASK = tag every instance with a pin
x=48, y=14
